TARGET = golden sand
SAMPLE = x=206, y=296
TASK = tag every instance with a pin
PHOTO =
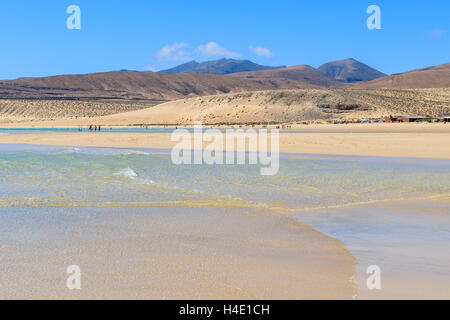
x=389, y=140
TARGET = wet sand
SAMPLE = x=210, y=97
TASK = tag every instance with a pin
x=169, y=253
x=408, y=240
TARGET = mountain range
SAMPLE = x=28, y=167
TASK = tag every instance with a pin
x=124, y=85
x=222, y=66
x=228, y=76
x=302, y=74
x=347, y=71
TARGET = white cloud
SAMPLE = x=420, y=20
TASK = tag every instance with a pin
x=214, y=49
x=262, y=52
x=173, y=52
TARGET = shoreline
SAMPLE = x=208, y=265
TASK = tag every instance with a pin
x=381, y=140
x=313, y=126
x=315, y=252
x=421, y=216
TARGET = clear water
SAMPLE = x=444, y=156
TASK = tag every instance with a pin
x=48, y=194
x=58, y=176
x=84, y=129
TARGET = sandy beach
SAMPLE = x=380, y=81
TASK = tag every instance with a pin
x=387, y=140
x=141, y=227
x=215, y=159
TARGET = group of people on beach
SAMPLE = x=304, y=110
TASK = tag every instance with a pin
x=92, y=128
x=95, y=128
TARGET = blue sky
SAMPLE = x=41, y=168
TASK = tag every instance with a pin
x=153, y=35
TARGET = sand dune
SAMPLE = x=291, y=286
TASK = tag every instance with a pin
x=287, y=106
x=246, y=107
x=274, y=106
x=249, y=107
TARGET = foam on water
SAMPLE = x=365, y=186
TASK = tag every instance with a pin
x=127, y=172
x=303, y=182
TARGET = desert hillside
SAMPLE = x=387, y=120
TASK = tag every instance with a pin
x=277, y=106
x=248, y=107
x=149, y=86
x=40, y=110
x=349, y=71
x=126, y=85
x=302, y=76
x=432, y=77
x=282, y=106
x=423, y=102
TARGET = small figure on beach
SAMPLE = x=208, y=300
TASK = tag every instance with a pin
x=90, y=128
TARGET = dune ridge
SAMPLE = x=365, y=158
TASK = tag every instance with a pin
x=274, y=106
x=248, y=107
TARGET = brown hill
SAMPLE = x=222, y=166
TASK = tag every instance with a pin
x=301, y=76
x=349, y=71
x=127, y=85
x=432, y=77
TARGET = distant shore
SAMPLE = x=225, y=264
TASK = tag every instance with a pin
x=382, y=139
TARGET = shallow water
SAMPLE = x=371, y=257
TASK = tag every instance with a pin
x=338, y=195
x=137, y=130
x=68, y=176
x=408, y=240
x=84, y=129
